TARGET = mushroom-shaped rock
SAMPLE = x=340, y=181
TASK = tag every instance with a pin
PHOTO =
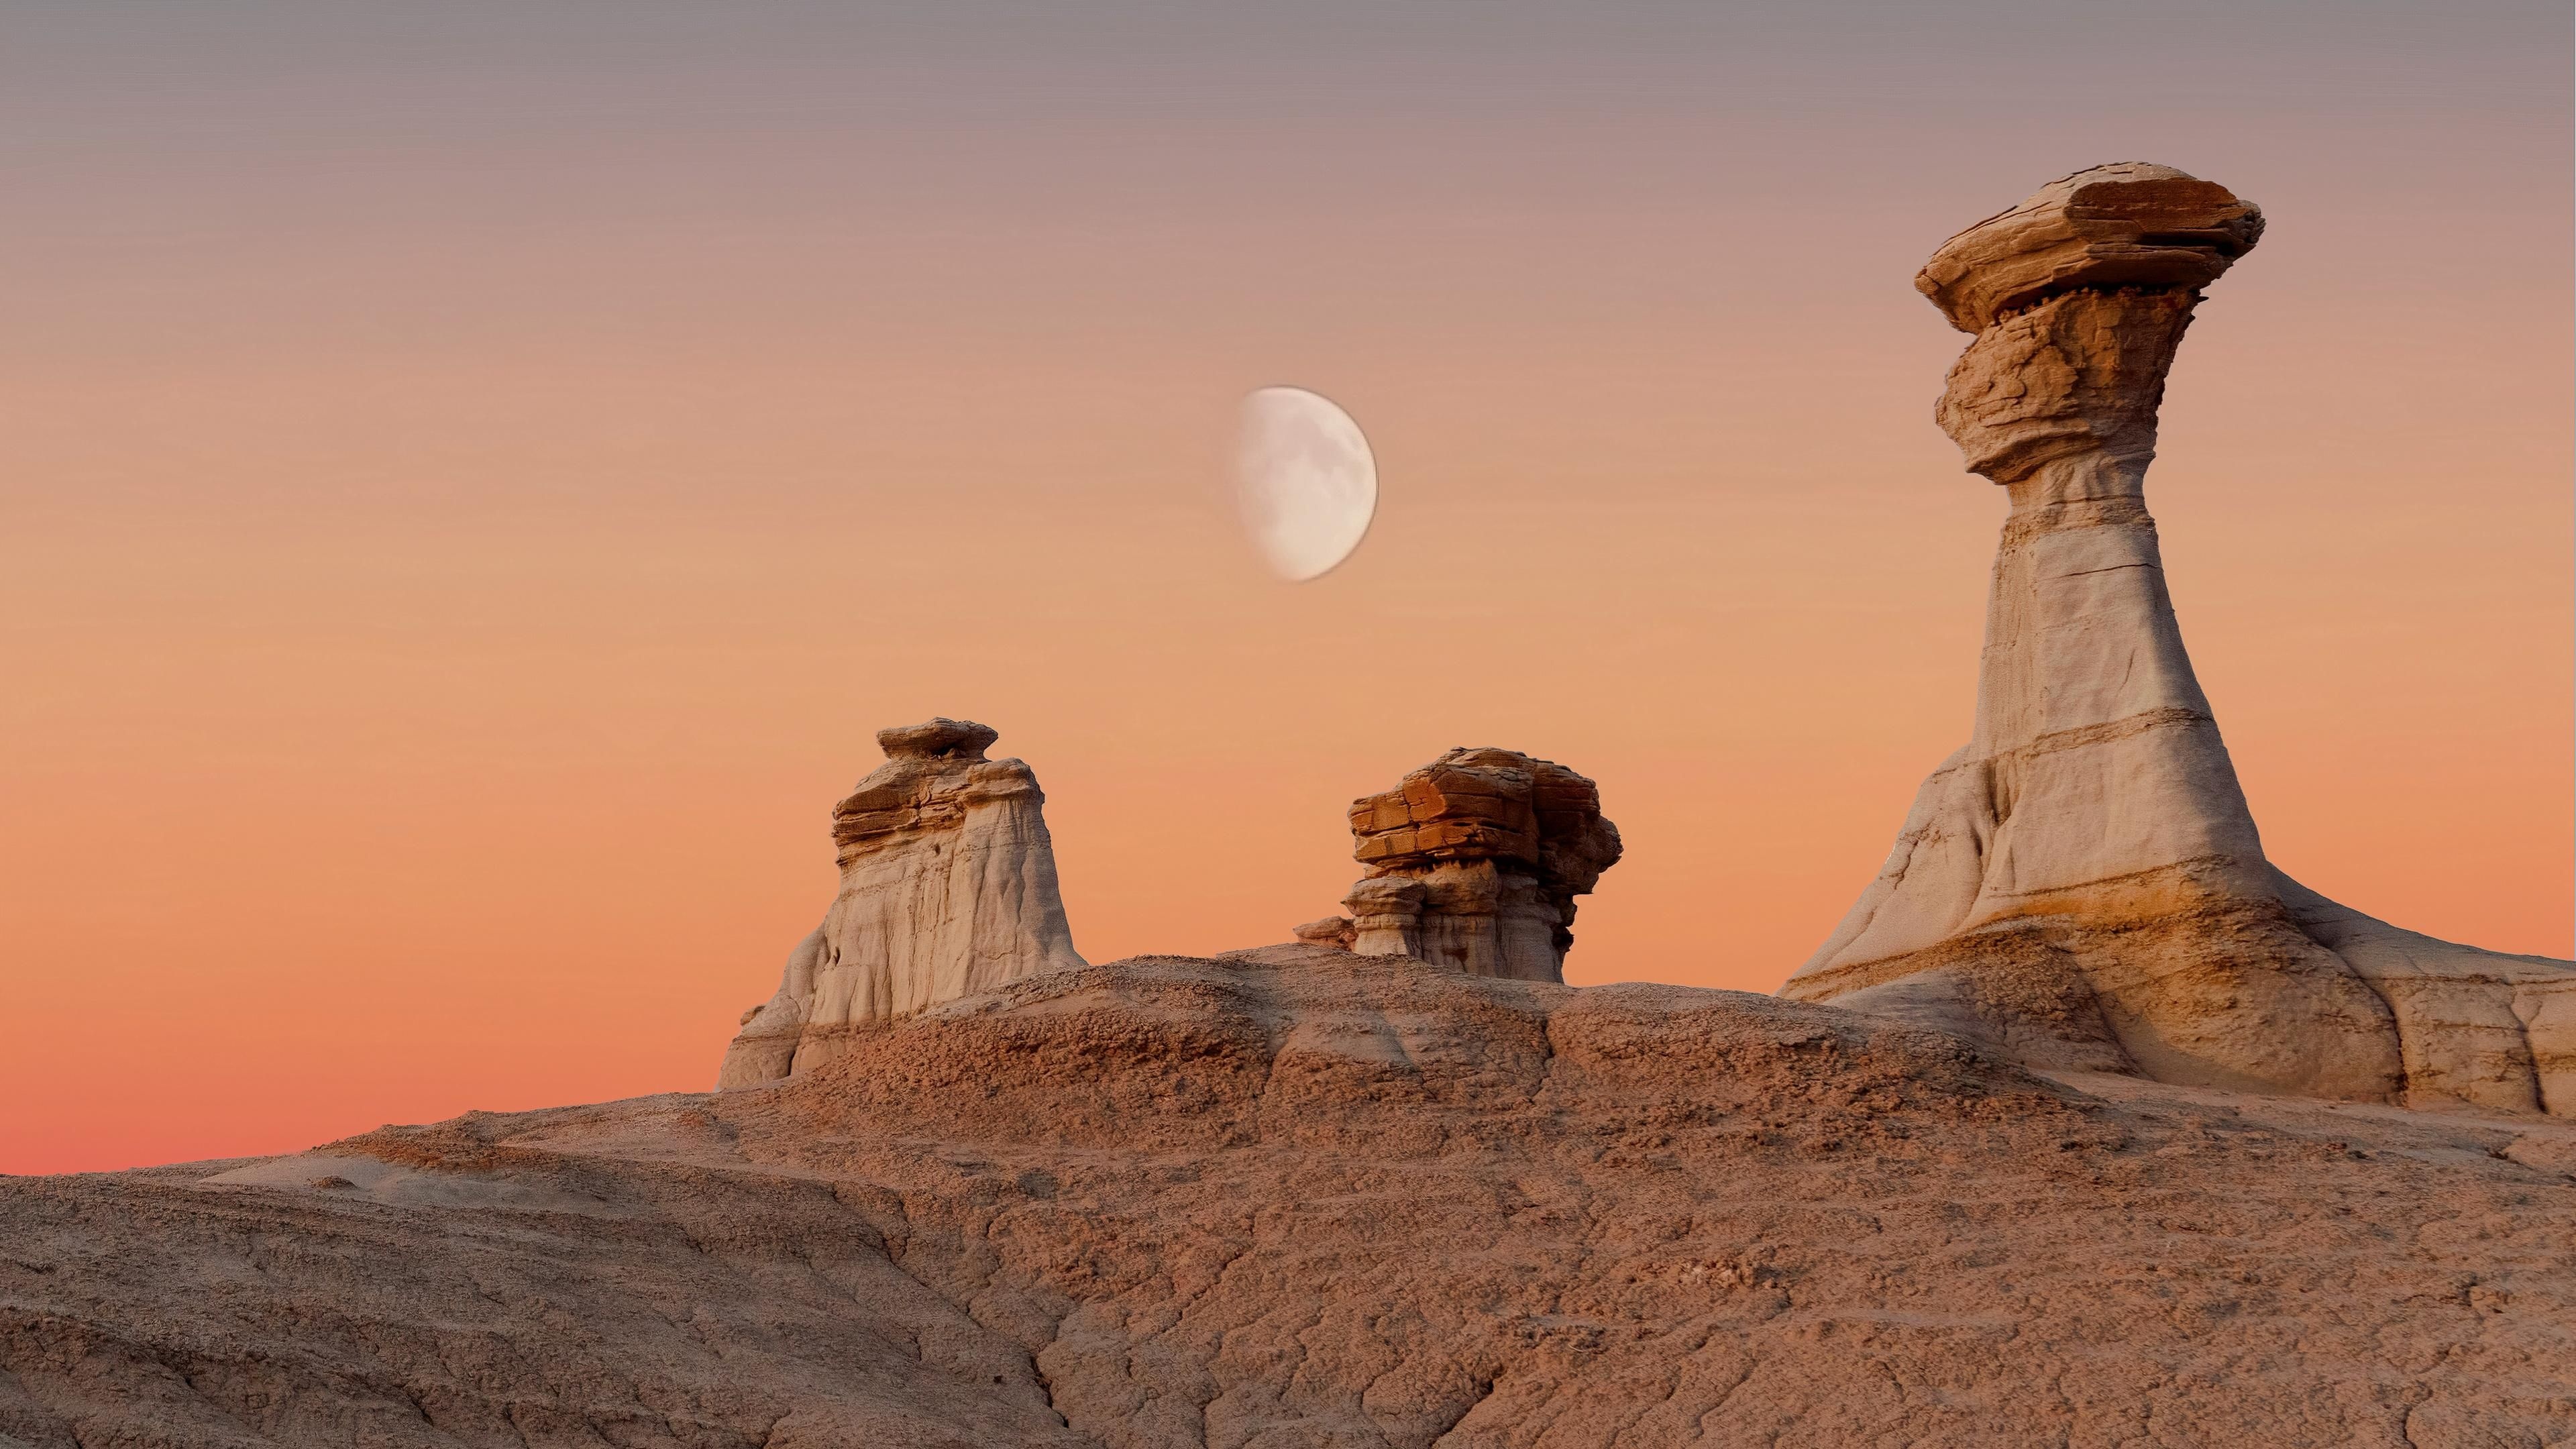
x=2128, y=224
x=2082, y=884
x=1474, y=860
x=948, y=888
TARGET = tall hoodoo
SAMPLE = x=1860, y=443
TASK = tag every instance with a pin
x=2083, y=883
x=1473, y=862
x=948, y=888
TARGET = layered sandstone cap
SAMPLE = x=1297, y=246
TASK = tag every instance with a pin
x=2128, y=224
x=1473, y=862
x=933, y=772
x=1488, y=804
x=937, y=739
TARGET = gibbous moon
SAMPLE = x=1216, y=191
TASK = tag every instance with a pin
x=1304, y=479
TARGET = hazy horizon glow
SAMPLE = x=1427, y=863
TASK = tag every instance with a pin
x=476, y=480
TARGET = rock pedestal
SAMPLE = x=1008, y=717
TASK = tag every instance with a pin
x=2083, y=884
x=948, y=888
x=1473, y=862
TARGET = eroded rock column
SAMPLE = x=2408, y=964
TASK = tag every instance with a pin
x=948, y=888
x=1473, y=862
x=2083, y=883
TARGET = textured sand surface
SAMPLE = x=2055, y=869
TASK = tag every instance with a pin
x=1302, y=1197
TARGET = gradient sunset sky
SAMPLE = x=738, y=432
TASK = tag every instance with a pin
x=474, y=476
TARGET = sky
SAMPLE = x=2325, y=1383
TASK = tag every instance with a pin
x=475, y=477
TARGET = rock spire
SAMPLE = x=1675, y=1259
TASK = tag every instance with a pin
x=948, y=888
x=2083, y=883
x=1473, y=862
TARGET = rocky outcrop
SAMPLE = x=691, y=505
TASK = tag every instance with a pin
x=1337, y=932
x=1473, y=862
x=948, y=888
x=2083, y=884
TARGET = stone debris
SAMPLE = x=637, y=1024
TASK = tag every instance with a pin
x=948, y=888
x=2082, y=885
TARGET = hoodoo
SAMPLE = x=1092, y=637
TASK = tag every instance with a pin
x=948, y=888
x=2082, y=884
x=1473, y=862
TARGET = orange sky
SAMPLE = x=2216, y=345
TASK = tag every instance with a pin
x=468, y=506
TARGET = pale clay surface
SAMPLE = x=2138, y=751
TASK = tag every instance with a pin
x=1306, y=1197
x=2082, y=885
x=970, y=1191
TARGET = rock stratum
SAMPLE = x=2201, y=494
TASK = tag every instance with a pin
x=2082, y=884
x=1307, y=1197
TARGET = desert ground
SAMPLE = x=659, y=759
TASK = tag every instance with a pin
x=1299, y=1196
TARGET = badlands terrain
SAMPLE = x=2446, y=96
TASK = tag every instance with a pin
x=2087, y=1126
x=1306, y=1197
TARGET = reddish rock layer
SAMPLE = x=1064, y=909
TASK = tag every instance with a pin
x=1473, y=862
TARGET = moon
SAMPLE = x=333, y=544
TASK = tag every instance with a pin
x=1304, y=480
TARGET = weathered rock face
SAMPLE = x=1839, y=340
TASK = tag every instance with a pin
x=1473, y=862
x=2083, y=883
x=948, y=888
